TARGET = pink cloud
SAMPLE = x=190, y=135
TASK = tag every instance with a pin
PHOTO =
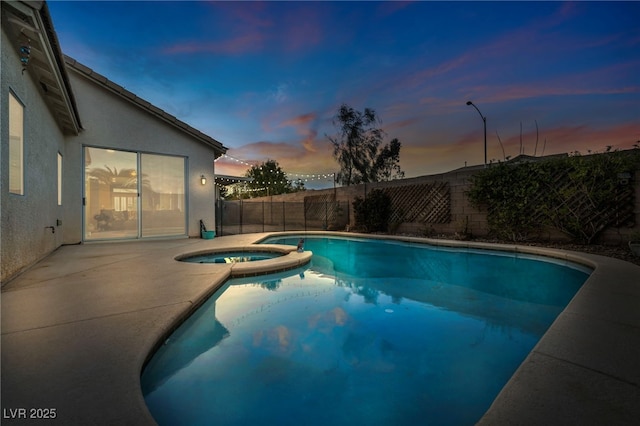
x=247, y=14
x=309, y=141
x=419, y=77
x=498, y=48
x=301, y=120
x=602, y=81
x=418, y=160
x=291, y=158
x=247, y=30
x=567, y=10
x=585, y=138
x=400, y=124
x=557, y=140
x=301, y=124
x=482, y=60
x=250, y=42
x=526, y=92
x=250, y=31
x=302, y=29
x=230, y=169
x=390, y=7
x=425, y=159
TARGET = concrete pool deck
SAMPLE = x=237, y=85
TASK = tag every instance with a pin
x=78, y=326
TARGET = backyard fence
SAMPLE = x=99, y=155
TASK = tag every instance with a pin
x=242, y=217
x=440, y=205
x=424, y=203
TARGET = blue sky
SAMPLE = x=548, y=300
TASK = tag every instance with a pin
x=267, y=78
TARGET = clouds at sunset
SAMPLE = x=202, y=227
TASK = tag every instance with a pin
x=250, y=30
x=237, y=45
x=266, y=78
x=301, y=120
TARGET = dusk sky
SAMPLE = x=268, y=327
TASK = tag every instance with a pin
x=266, y=78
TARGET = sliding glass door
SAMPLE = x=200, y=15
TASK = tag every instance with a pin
x=133, y=195
x=110, y=194
x=163, y=195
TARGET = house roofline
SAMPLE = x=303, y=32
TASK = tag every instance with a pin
x=57, y=53
x=29, y=24
x=143, y=104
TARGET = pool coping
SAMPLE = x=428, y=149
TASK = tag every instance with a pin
x=290, y=259
x=114, y=302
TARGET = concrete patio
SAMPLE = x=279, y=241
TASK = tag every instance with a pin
x=78, y=326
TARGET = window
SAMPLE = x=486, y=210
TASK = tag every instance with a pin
x=16, y=146
x=59, y=179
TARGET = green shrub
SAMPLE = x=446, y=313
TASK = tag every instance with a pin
x=578, y=195
x=372, y=214
x=509, y=195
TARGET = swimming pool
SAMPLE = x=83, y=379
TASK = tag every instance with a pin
x=371, y=332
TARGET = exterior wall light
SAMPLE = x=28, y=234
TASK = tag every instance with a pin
x=203, y=180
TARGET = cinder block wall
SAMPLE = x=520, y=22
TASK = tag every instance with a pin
x=463, y=215
x=621, y=235
x=461, y=210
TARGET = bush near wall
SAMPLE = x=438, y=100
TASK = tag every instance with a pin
x=372, y=213
x=578, y=195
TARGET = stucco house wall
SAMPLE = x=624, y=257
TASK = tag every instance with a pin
x=111, y=120
x=68, y=106
x=24, y=237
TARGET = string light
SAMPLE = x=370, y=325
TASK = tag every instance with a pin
x=296, y=176
x=233, y=159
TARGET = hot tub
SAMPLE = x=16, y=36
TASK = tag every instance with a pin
x=231, y=257
x=249, y=260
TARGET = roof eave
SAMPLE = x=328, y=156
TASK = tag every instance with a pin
x=130, y=97
x=30, y=20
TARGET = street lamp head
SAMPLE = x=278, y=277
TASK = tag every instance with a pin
x=484, y=121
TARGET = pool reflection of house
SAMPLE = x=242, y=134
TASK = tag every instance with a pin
x=84, y=159
x=199, y=334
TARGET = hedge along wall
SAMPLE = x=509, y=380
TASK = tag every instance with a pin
x=420, y=206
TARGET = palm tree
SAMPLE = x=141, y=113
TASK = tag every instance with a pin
x=112, y=178
x=124, y=178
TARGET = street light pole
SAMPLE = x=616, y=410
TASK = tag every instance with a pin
x=484, y=120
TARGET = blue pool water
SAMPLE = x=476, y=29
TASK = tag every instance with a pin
x=231, y=257
x=370, y=333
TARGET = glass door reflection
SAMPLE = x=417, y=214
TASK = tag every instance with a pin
x=111, y=194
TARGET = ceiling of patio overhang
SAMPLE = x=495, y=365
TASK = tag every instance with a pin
x=31, y=21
